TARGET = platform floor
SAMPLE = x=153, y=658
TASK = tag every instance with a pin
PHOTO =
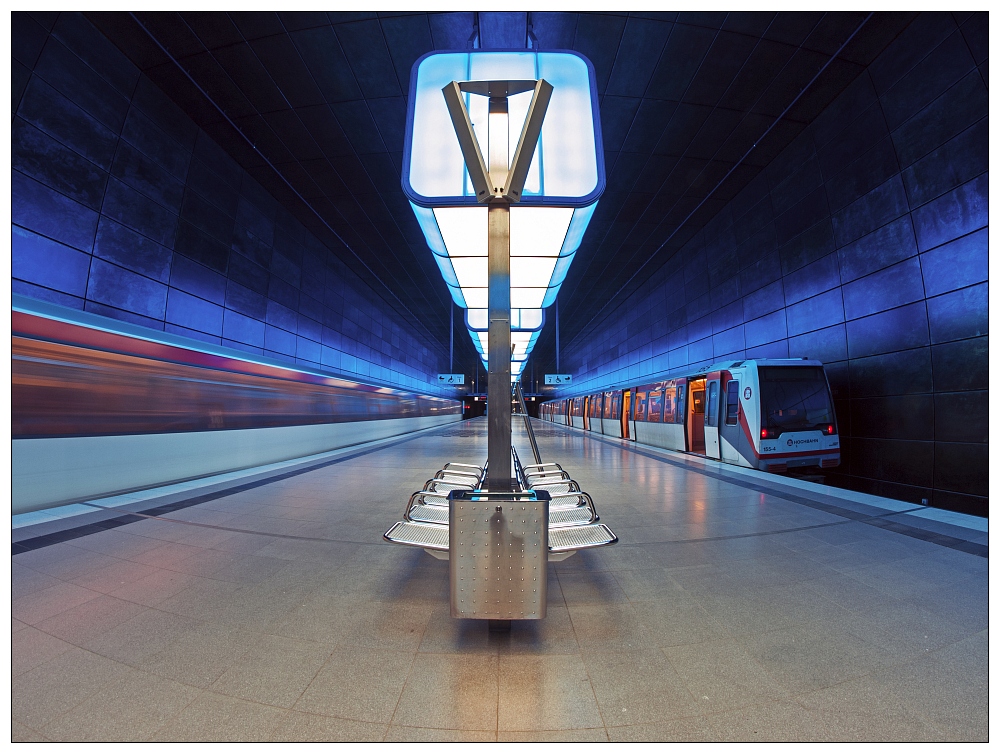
x=731, y=609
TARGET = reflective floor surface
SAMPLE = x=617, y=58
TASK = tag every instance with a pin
x=729, y=610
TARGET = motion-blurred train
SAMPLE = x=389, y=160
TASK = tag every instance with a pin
x=767, y=414
x=104, y=408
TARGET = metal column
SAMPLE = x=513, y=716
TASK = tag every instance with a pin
x=498, y=397
x=497, y=185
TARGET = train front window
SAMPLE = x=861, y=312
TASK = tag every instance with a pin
x=795, y=398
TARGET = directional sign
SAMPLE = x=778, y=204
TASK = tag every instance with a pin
x=451, y=379
x=558, y=379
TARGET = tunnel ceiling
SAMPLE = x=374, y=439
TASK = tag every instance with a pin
x=313, y=105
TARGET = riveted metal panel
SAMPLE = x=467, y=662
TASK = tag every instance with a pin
x=498, y=553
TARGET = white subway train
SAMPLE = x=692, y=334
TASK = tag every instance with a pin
x=767, y=414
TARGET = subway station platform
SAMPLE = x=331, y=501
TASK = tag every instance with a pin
x=736, y=606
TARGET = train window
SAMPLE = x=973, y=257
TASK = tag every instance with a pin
x=679, y=403
x=668, y=405
x=712, y=410
x=732, y=402
x=655, y=406
x=794, y=399
x=607, y=406
x=640, y=407
x=616, y=405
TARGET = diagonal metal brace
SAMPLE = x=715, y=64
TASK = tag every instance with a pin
x=467, y=141
x=528, y=141
x=482, y=182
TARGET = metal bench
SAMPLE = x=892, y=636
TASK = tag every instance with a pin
x=564, y=540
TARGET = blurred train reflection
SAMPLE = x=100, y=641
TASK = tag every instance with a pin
x=65, y=385
x=98, y=412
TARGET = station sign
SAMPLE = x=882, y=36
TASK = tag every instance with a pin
x=451, y=379
x=558, y=379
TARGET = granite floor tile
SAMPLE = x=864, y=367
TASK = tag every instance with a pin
x=637, y=687
x=770, y=722
x=129, y=709
x=299, y=726
x=37, y=606
x=406, y=734
x=592, y=587
x=274, y=671
x=91, y=619
x=870, y=709
x=114, y=576
x=812, y=656
x=31, y=647
x=648, y=584
x=946, y=688
x=463, y=689
x=20, y=733
x=447, y=635
x=202, y=598
x=213, y=717
x=358, y=684
x=59, y=685
x=576, y=735
x=25, y=581
x=550, y=692
x=723, y=675
x=140, y=637
x=553, y=635
x=678, y=622
x=200, y=655
x=609, y=628
x=155, y=588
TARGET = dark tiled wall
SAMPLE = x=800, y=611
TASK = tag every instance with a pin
x=123, y=207
x=864, y=244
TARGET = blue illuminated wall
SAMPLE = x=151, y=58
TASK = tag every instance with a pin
x=124, y=208
x=864, y=244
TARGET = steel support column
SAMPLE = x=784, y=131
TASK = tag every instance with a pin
x=498, y=397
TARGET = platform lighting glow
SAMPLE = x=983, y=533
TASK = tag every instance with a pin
x=520, y=319
x=565, y=178
x=543, y=241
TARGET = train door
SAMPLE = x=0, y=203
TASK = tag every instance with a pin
x=729, y=419
x=586, y=412
x=712, y=416
x=628, y=426
x=696, y=415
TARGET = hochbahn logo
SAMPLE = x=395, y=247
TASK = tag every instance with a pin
x=801, y=442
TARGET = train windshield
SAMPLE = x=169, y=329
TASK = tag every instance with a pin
x=795, y=398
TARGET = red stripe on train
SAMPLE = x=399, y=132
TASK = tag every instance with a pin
x=772, y=456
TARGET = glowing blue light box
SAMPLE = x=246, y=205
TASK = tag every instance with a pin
x=564, y=181
x=568, y=165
